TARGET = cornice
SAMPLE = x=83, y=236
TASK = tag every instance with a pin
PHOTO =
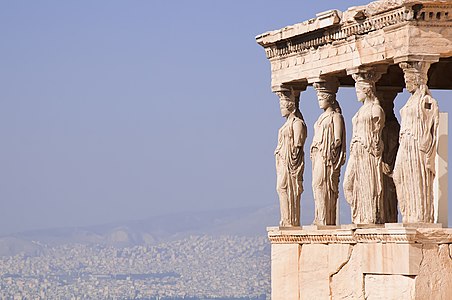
x=425, y=15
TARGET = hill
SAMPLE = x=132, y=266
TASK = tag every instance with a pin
x=247, y=221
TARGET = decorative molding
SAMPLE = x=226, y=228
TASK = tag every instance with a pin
x=385, y=238
x=316, y=39
x=427, y=15
x=437, y=13
x=312, y=239
x=361, y=235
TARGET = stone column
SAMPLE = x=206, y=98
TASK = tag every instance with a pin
x=390, y=137
x=414, y=169
x=363, y=180
x=289, y=156
x=328, y=152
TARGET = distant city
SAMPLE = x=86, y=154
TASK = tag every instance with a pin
x=200, y=267
x=184, y=265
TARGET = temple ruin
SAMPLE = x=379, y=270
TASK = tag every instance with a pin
x=394, y=166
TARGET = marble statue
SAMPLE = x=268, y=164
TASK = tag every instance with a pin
x=390, y=137
x=414, y=169
x=363, y=181
x=289, y=155
x=327, y=154
x=390, y=171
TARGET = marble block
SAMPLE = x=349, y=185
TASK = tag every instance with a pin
x=394, y=262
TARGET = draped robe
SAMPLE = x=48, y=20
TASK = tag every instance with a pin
x=289, y=156
x=326, y=166
x=363, y=181
x=414, y=169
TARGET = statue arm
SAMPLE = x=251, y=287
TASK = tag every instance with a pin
x=334, y=153
x=299, y=137
x=299, y=131
x=431, y=148
x=434, y=123
x=338, y=130
x=378, y=121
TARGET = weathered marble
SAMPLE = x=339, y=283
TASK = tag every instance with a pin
x=435, y=275
x=328, y=151
x=414, y=169
x=379, y=33
x=392, y=258
x=389, y=287
x=391, y=35
x=289, y=156
x=379, y=48
x=347, y=282
x=285, y=271
x=393, y=262
x=314, y=272
x=363, y=180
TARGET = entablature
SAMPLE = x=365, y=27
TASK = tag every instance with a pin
x=383, y=32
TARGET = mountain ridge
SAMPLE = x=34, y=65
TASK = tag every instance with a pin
x=244, y=221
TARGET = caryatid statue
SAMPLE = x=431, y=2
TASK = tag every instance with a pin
x=327, y=152
x=363, y=181
x=414, y=169
x=289, y=155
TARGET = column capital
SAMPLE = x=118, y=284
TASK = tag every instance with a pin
x=328, y=84
x=321, y=78
x=415, y=66
x=367, y=74
x=289, y=87
x=415, y=73
x=378, y=69
x=291, y=92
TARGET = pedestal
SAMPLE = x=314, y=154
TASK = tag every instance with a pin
x=392, y=261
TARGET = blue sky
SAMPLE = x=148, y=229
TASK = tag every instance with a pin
x=116, y=110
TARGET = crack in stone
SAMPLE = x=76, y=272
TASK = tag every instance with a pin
x=350, y=251
x=450, y=250
x=422, y=258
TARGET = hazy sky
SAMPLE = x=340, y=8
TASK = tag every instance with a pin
x=115, y=110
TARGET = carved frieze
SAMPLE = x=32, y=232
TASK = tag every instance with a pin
x=397, y=235
x=297, y=45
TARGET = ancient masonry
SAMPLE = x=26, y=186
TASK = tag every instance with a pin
x=394, y=166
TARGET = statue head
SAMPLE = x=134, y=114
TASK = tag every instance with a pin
x=326, y=99
x=326, y=92
x=287, y=107
x=288, y=101
x=364, y=90
x=365, y=85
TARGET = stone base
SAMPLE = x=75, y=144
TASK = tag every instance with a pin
x=353, y=262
